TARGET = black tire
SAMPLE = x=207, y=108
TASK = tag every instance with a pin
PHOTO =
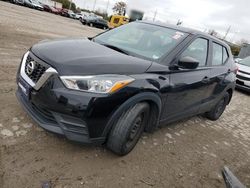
x=128, y=129
x=219, y=108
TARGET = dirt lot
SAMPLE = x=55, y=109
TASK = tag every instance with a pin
x=190, y=153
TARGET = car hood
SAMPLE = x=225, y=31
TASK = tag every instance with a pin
x=243, y=68
x=84, y=57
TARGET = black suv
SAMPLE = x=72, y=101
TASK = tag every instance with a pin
x=137, y=77
x=95, y=22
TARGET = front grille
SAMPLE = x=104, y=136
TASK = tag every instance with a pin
x=37, y=72
x=244, y=72
x=243, y=78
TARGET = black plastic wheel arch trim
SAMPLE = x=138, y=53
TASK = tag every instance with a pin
x=146, y=96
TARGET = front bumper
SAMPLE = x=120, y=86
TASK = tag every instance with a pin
x=242, y=87
x=243, y=82
x=80, y=116
x=72, y=128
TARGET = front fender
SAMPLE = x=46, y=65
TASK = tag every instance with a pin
x=145, y=96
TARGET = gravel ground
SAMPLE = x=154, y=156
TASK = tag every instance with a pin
x=189, y=153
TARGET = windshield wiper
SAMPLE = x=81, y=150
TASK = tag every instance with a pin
x=116, y=48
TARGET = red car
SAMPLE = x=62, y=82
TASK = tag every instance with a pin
x=64, y=12
x=50, y=9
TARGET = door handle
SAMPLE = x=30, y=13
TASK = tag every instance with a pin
x=205, y=79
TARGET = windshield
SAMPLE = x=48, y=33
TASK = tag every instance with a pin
x=142, y=40
x=245, y=61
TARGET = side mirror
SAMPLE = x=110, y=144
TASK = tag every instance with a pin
x=188, y=63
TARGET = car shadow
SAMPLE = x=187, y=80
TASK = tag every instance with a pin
x=242, y=91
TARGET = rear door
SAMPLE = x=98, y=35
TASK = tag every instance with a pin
x=220, y=68
x=189, y=87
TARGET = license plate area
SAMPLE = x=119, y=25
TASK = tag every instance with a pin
x=25, y=88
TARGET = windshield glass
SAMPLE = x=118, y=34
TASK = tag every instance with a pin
x=245, y=61
x=142, y=40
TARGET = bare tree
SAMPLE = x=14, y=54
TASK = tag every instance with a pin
x=120, y=8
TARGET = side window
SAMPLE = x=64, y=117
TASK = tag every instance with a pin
x=225, y=55
x=197, y=50
x=217, y=54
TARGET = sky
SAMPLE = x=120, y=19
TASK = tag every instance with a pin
x=203, y=15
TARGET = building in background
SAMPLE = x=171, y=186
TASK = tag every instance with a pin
x=51, y=3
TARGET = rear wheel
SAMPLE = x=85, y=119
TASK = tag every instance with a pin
x=128, y=129
x=219, y=108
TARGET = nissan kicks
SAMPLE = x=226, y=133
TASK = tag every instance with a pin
x=111, y=88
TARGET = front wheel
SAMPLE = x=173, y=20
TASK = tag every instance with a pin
x=91, y=24
x=128, y=129
x=219, y=108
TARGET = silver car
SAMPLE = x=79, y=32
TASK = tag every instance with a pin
x=243, y=74
x=21, y=2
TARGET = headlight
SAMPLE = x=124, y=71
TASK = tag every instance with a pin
x=97, y=84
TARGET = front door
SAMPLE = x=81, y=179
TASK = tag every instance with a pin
x=188, y=88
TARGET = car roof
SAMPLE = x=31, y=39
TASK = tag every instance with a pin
x=185, y=30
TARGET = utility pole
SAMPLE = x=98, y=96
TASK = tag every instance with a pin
x=227, y=32
x=70, y=4
x=107, y=7
x=155, y=15
x=94, y=5
x=179, y=22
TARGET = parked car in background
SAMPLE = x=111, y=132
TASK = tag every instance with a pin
x=111, y=88
x=71, y=14
x=20, y=2
x=243, y=74
x=83, y=15
x=50, y=9
x=64, y=12
x=237, y=59
x=33, y=4
x=86, y=19
x=118, y=20
x=97, y=22
x=78, y=16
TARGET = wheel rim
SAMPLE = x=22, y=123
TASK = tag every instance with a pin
x=135, y=130
x=136, y=126
x=220, y=107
